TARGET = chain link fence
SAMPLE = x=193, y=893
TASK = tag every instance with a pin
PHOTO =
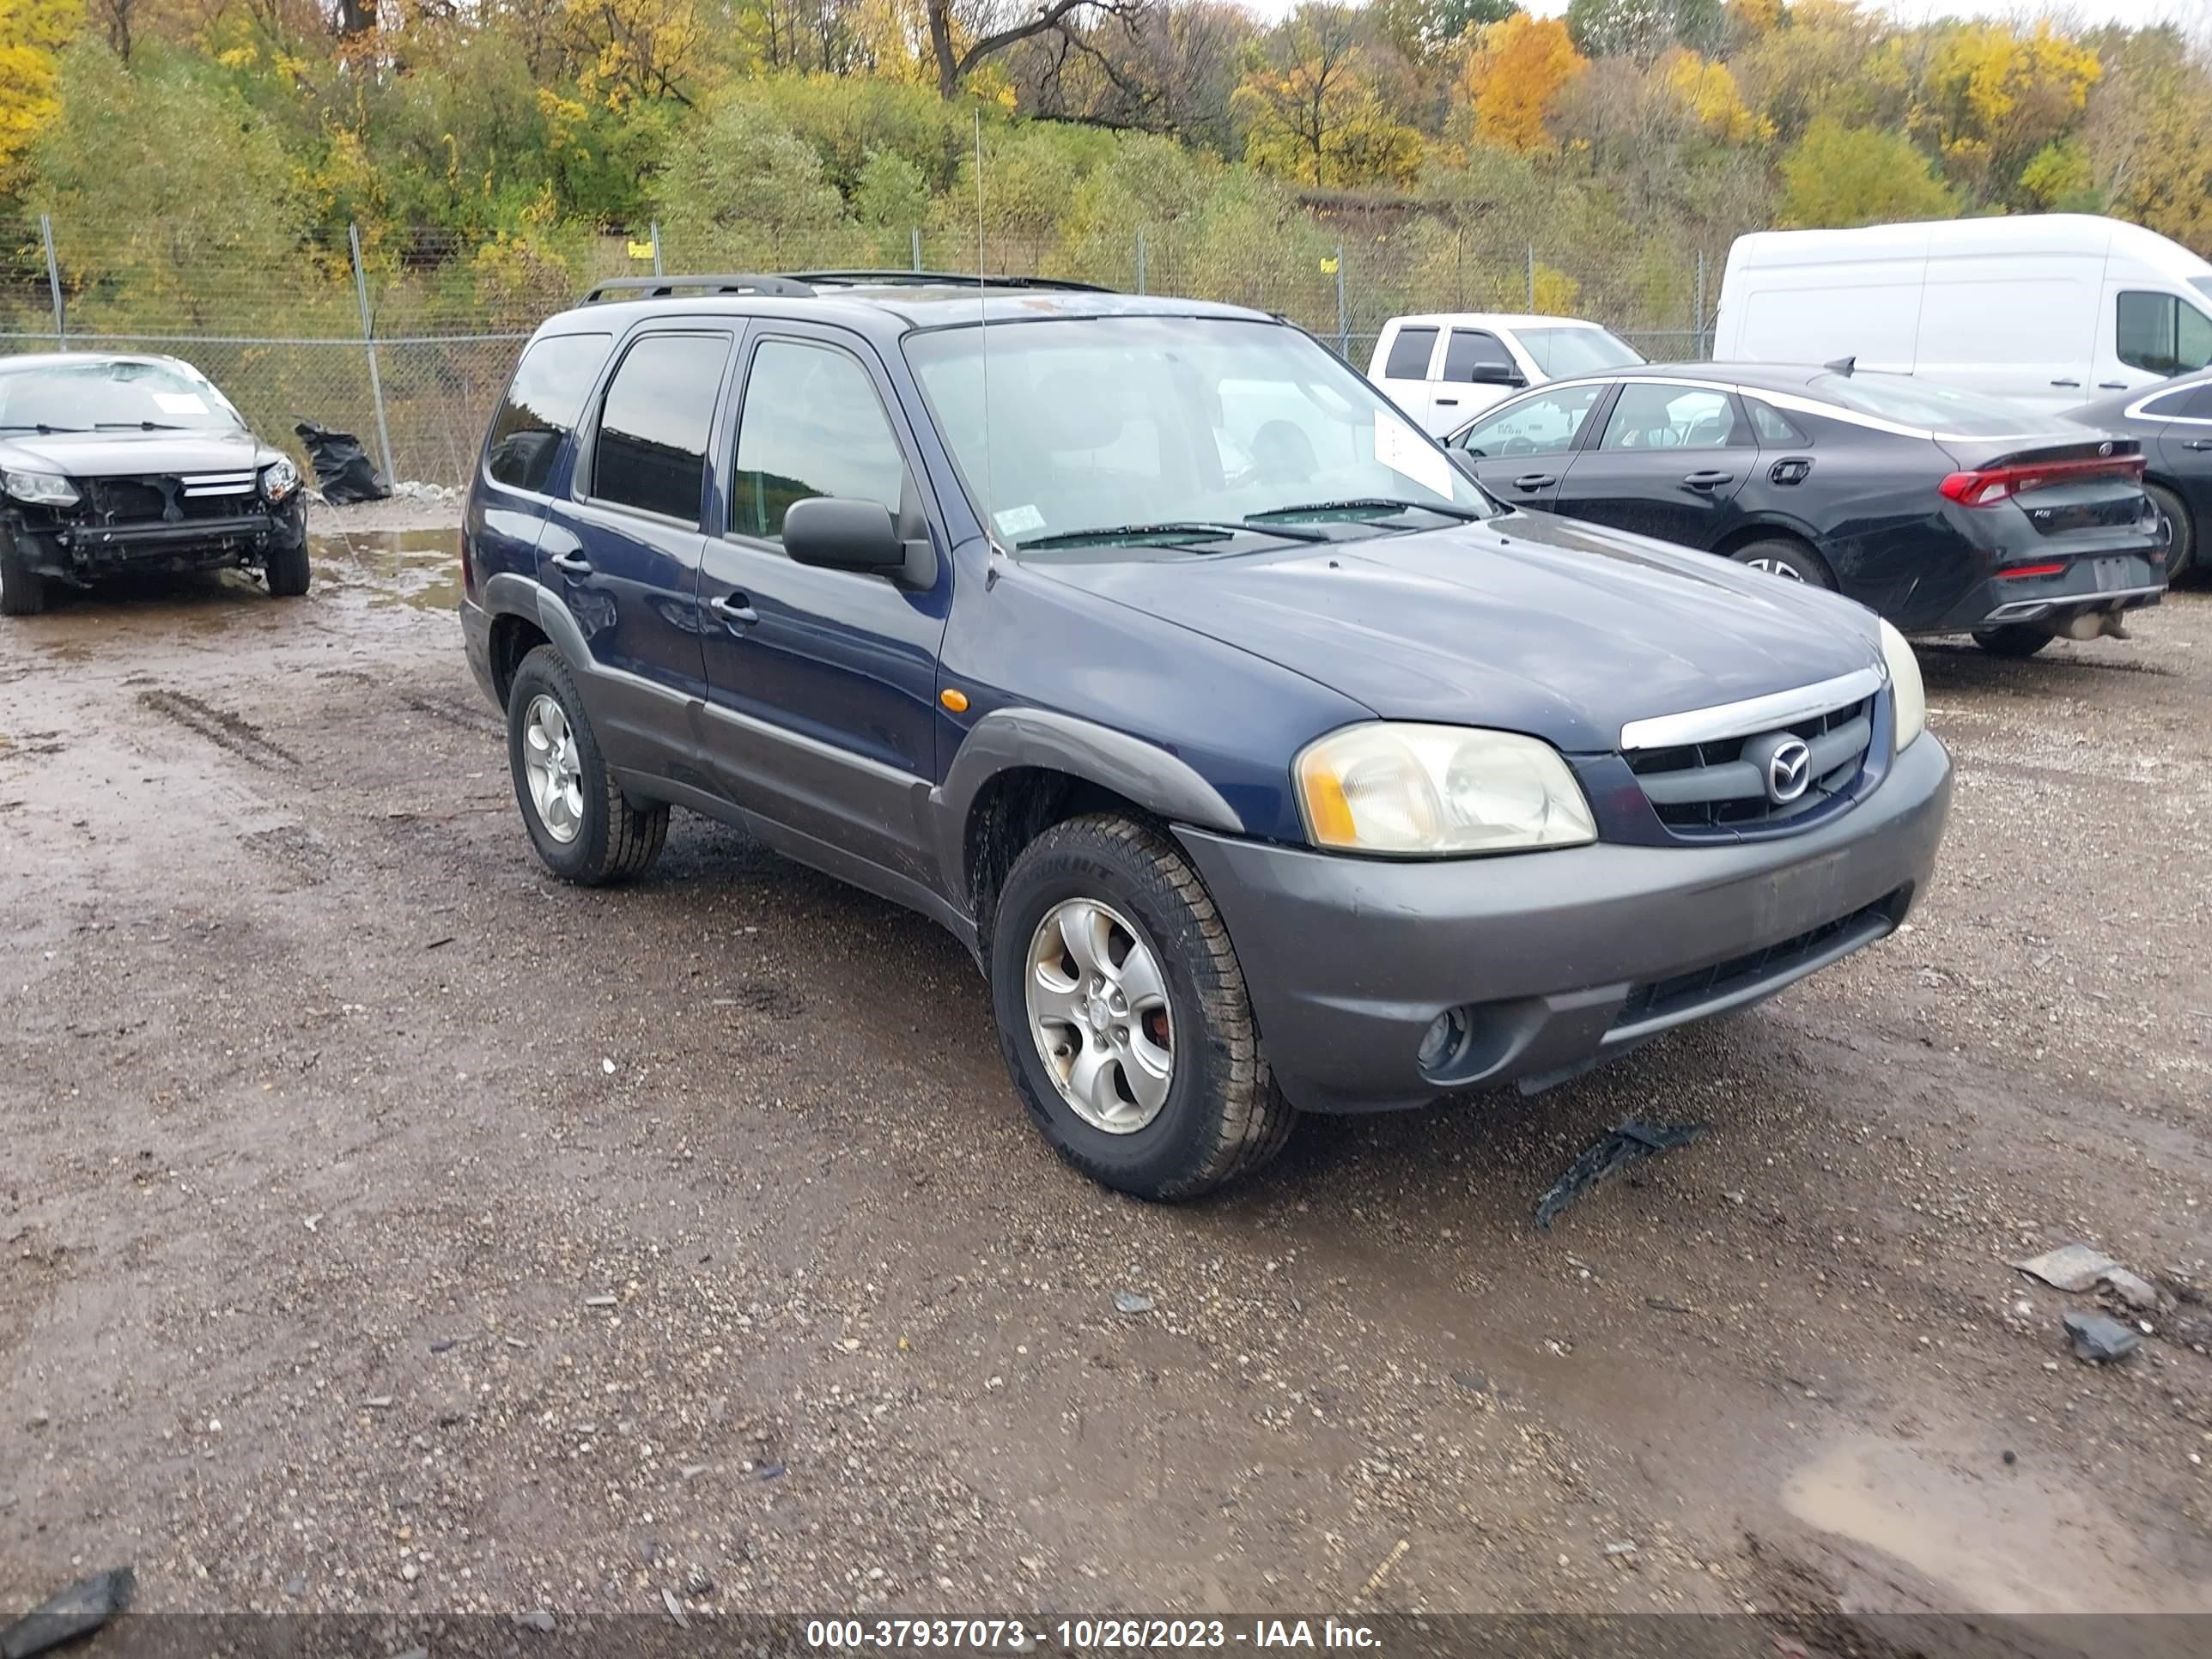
x=408, y=338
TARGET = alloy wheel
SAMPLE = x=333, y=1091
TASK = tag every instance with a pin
x=1099, y=1016
x=555, y=773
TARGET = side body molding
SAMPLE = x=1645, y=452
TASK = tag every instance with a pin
x=1144, y=772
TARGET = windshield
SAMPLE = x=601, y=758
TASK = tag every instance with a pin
x=80, y=397
x=1919, y=404
x=1116, y=422
x=1563, y=353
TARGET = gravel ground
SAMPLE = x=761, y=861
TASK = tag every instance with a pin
x=388, y=1226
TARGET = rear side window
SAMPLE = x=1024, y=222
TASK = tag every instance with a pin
x=651, y=452
x=1409, y=355
x=1652, y=415
x=1470, y=349
x=1772, y=426
x=1922, y=404
x=542, y=407
x=2162, y=334
x=813, y=426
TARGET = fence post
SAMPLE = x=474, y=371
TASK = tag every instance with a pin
x=1459, y=268
x=369, y=344
x=54, y=283
x=655, y=227
x=1141, y=261
x=1703, y=351
x=1532, y=279
x=1343, y=321
x=913, y=239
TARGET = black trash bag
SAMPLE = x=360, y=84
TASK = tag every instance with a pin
x=342, y=465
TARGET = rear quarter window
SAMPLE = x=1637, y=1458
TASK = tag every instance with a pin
x=1924, y=405
x=1409, y=355
x=542, y=406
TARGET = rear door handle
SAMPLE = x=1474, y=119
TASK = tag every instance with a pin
x=1709, y=479
x=1535, y=481
x=2112, y=385
x=733, y=608
x=1447, y=402
x=576, y=564
x=2066, y=383
x=2199, y=443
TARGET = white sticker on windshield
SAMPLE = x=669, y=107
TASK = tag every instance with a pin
x=1401, y=449
x=1019, y=521
x=181, y=402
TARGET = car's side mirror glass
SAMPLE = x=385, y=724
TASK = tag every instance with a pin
x=843, y=535
x=1495, y=374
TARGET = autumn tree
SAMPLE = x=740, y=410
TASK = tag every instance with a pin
x=964, y=34
x=1643, y=29
x=1708, y=90
x=32, y=36
x=1512, y=74
x=1839, y=176
x=1311, y=109
x=1994, y=97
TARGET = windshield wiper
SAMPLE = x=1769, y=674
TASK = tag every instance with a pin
x=1359, y=505
x=136, y=426
x=39, y=427
x=1167, y=534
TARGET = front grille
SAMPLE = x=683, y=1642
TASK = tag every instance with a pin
x=174, y=499
x=1710, y=790
x=1777, y=962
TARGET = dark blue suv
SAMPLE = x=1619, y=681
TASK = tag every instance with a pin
x=1262, y=760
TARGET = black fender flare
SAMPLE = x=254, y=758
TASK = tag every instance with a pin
x=1154, y=778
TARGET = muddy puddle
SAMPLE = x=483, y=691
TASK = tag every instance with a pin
x=417, y=567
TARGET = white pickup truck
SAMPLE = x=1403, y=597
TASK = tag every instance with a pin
x=1444, y=368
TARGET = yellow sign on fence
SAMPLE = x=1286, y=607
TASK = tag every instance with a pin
x=1328, y=266
x=641, y=250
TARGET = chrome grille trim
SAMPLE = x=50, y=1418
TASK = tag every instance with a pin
x=1753, y=714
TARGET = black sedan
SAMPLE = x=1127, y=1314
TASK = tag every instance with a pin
x=1945, y=512
x=116, y=464
x=2172, y=421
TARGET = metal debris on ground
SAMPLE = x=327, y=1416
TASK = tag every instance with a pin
x=536, y=1618
x=2099, y=1340
x=1627, y=1143
x=1129, y=1302
x=675, y=1609
x=2069, y=1267
x=2133, y=1289
x=81, y=1609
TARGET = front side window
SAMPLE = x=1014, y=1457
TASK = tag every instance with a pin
x=1541, y=425
x=1650, y=416
x=1135, y=421
x=2161, y=333
x=812, y=426
x=1409, y=355
x=1469, y=352
x=651, y=452
x=542, y=407
x=120, y=394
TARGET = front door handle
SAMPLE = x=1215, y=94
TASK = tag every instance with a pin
x=1447, y=402
x=574, y=564
x=733, y=608
x=1535, y=481
x=1709, y=479
x=2066, y=383
x=2199, y=443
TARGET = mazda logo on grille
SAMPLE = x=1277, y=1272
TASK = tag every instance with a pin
x=1789, y=769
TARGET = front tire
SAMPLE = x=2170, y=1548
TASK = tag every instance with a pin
x=1123, y=1017
x=22, y=590
x=289, y=571
x=584, y=828
x=2017, y=641
x=2181, y=530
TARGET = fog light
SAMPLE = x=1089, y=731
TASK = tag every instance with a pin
x=1444, y=1041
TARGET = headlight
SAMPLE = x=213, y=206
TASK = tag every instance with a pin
x=1437, y=790
x=1908, y=698
x=43, y=488
x=279, y=479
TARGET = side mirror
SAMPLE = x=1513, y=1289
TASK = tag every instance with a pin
x=1496, y=375
x=1464, y=462
x=843, y=535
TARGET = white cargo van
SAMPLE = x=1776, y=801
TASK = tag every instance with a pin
x=1447, y=366
x=2046, y=309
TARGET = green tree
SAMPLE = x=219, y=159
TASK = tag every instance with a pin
x=1837, y=175
x=744, y=186
x=1642, y=29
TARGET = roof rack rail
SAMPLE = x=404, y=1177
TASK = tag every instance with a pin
x=663, y=287
x=942, y=279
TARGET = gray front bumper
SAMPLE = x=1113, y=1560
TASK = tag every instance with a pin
x=1561, y=957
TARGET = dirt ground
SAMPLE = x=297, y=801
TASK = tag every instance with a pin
x=385, y=1225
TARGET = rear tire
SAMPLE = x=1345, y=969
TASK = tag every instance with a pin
x=1793, y=562
x=22, y=590
x=586, y=832
x=289, y=571
x=2017, y=641
x=1219, y=1116
x=2181, y=543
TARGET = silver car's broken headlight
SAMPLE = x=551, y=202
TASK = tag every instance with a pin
x=39, y=489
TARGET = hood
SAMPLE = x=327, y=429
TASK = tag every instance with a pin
x=132, y=454
x=1529, y=623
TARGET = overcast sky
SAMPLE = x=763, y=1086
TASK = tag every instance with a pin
x=2195, y=12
